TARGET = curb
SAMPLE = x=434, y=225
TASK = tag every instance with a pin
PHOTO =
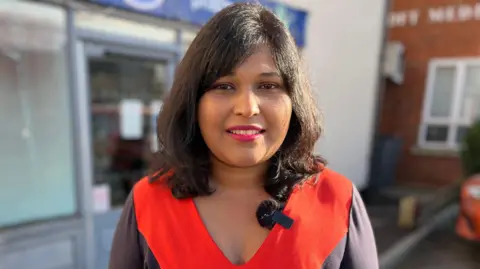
x=392, y=256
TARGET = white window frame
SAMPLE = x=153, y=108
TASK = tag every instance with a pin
x=455, y=120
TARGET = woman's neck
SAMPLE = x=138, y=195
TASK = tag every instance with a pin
x=228, y=177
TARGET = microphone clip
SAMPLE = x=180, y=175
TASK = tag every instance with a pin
x=269, y=213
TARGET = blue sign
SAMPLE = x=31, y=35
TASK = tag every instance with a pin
x=200, y=11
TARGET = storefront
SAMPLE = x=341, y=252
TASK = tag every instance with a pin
x=80, y=111
x=41, y=217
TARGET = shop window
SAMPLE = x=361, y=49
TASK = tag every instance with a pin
x=121, y=157
x=36, y=158
x=451, y=104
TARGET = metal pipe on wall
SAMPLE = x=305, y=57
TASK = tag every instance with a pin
x=82, y=186
x=381, y=86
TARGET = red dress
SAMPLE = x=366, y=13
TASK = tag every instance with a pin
x=171, y=234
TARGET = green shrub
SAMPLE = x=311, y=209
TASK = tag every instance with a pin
x=470, y=153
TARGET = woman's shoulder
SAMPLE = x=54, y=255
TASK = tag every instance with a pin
x=329, y=188
x=152, y=188
x=333, y=182
x=329, y=176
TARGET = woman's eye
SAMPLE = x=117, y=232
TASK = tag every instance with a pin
x=222, y=87
x=268, y=86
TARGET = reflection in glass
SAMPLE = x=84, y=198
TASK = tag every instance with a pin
x=437, y=133
x=471, y=94
x=443, y=92
x=119, y=162
x=461, y=133
x=36, y=138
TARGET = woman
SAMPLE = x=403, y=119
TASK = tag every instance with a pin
x=237, y=129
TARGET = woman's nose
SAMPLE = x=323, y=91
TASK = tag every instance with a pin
x=246, y=104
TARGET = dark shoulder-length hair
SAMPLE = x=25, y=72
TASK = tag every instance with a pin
x=230, y=37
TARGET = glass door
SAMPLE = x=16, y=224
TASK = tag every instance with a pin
x=126, y=88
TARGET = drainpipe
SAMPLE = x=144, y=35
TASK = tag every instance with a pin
x=380, y=89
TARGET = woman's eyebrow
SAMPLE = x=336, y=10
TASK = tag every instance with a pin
x=263, y=74
x=270, y=74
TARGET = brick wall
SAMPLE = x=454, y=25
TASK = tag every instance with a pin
x=425, y=39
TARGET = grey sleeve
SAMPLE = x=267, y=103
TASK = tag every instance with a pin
x=126, y=252
x=360, y=250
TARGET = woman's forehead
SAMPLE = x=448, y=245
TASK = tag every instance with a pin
x=261, y=61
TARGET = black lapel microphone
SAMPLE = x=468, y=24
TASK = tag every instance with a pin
x=269, y=212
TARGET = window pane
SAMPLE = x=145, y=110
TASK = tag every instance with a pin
x=36, y=158
x=460, y=133
x=437, y=133
x=442, y=92
x=119, y=161
x=471, y=94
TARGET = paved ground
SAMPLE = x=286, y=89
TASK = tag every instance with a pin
x=443, y=250
x=383, y=210
x=384, y=222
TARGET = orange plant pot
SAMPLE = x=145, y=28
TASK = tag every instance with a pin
x=468, y=221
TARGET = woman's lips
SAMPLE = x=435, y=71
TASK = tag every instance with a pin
x=245, y=133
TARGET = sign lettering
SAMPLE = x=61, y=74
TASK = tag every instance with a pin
x=404, y=18
x=435, y=15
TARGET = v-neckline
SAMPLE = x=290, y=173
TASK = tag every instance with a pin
x=217, y=251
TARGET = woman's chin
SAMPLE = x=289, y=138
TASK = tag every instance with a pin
x=244, y=161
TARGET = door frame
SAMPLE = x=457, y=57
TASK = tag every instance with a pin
x=85, y=42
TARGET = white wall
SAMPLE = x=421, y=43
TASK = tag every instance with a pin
x=342, y=53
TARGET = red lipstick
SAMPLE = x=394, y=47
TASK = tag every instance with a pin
x=245, y=133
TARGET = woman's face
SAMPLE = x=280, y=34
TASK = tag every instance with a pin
x=244, y=117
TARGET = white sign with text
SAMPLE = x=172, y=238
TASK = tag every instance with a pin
x=101, y=198
x=131, y=119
